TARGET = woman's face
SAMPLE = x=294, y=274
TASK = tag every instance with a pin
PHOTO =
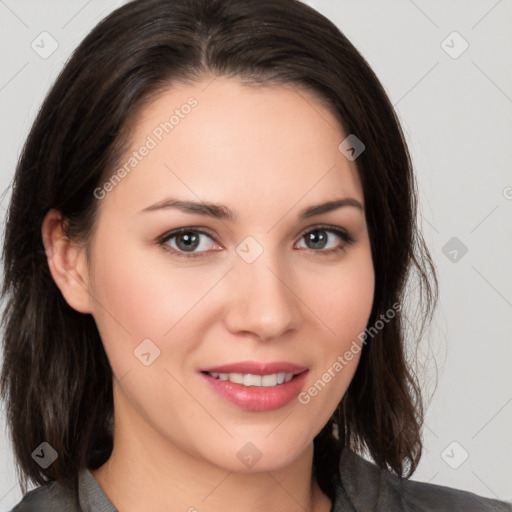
x=265, y=290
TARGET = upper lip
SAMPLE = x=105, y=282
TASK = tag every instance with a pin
x=256, y=368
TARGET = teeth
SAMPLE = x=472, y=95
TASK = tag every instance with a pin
x=249, y=379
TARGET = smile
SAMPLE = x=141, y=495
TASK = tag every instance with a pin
x=256, y=386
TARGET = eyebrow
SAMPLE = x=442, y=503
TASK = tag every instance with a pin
x=222, y=212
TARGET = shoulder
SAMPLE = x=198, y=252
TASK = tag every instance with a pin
x=52, y=497
x=371, y=488
x=438, y=497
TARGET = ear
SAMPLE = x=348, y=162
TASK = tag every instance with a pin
x=67, y=263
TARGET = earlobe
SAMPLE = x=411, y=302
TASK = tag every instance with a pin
x=67, y=263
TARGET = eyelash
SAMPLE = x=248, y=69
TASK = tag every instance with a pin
x=344, y=235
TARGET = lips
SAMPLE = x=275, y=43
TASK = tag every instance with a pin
x=256, y=386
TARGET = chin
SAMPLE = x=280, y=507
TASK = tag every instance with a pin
x=262, y=452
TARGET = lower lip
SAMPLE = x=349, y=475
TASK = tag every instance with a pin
x=258, y=398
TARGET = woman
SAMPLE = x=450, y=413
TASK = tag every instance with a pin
x=211, y=228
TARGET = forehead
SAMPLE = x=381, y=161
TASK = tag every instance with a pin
x=242, y=145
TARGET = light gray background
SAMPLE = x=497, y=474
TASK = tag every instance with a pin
x=457, y=116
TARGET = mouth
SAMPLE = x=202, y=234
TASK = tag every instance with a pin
x=257, y=386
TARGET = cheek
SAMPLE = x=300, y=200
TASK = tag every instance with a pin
x=345, y=299
x=134, y=301
x=142, y=295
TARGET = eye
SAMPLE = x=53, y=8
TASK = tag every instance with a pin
x=322, y=239
x=184, y=242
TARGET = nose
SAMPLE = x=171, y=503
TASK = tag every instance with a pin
x=263, y=301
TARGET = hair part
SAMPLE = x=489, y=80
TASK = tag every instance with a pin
x=56, y=379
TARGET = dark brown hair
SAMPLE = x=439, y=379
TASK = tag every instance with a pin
x=56, y=379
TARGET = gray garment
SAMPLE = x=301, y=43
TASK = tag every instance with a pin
x=363, y=487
